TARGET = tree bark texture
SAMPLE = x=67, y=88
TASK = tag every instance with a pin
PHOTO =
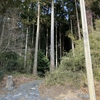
x=2, y=34
x=56, y=47
x=60, y=41
x=37, y=42
x=52, y=38
x=25, y=56
x=47, y=43
x=72, y=40
x=78, y=24
x=87, y=52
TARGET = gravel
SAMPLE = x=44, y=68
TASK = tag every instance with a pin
x=83, y=96
x=29, y=91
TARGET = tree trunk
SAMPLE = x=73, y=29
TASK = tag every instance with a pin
x=60, y=41
x=78, y=24
x=33, y=34
x=2, y=34
x=62, y=44
x=52, y=38
x=87, y=52
x=13, y=34
x=56, y=48
x=14, y=45
x=39, y=43
x=47, y=43
x=25, y=57
x=72, y=40
x=21, y=44
x=36, y=43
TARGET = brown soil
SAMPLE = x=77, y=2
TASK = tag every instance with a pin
x=63, y=92
x=59, y=92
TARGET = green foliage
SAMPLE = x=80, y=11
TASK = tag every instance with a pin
x=10, y=61
x=72, y=68
x=61, y=76
x=20, y=64
x=76, y=62
x=1, y=74
x=97, y=73
x=96, y=7
x=43, y=63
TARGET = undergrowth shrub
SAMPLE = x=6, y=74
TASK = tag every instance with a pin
x=10, y=61
x=1, y=74
x=43, y=63
x=72, y=68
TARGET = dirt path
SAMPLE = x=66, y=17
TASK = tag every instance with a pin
x=45, y=93
x=27, y=91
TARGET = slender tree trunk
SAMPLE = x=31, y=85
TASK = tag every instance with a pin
x=52, y=38
x=47, y=43
x=78, y=24
x=25, y=57
x=72, y=40
x=63, y=44
x=39, y=43
x=2, y=34
x=60, y=40
x=20, y=53
x=8, y=41
x=29, y=57
x=87, y=52
x=33, y=34
x=36, y=43
x=21, y=44
x=14, y=45
x=56, y=47
x=13, y=34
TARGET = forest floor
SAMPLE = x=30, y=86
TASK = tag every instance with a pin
x=59, y=92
